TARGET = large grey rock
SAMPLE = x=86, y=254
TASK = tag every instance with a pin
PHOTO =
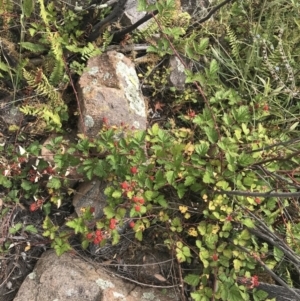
x=71, y=278
x=109, y=92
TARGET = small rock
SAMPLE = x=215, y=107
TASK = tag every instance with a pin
x=132, y=15
x=177, y=75
x=90, y=194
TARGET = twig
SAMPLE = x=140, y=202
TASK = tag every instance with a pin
x=181, y=281
x=274, y=276
x=115, y=13
x=263, y=231
x=278, y=158
x=268, y=194
x=118, y=36
x=128, y=48
x=76, y=96
x=281, y=143
x=211, y=12
x=148, y=285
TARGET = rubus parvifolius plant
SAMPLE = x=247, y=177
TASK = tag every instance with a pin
x=152, y=176
x=144, y=170
x=220, y=183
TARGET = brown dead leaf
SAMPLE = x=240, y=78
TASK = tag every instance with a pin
x=160, y=277
x=158, y=106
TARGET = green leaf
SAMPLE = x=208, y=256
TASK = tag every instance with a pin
x=152, y=48
x=155, y=128
x=28, y=7
x=31, y=229
x=161, y=201
x=241, y=114
x=227, y=253
x=249, y=181
x=223, y=261
x=61, y=246
x=222, y=184
x=170, y=176
x=278, y=254
x=186, y=251
x=181, y=190
x=202, y=148
x=192, y=279
x=211, y=240
x=139, y=235
x=211, y=134
x=237, y=264
x=238, y=134
x=207, y=177
x=71, y=224
x=199, y=296
x=85, y=243
x=245, y=159
x=150, y=195
x=204, y=255
x=115, y=237
x=235, y=294
x=245, y=235
x=160, y=181
x=189, y=180
x=77, y=224
x=202, y=228
x=89, y=173
x=213, y=68
x=33, y=47
x=5, y=182
x=26, y=185
x=180, y=256
x=54, y=183
x=15, y=228
x=4, y=67
x=109, y=212
x=121, y=212
x=261, y=295
x=245, y=129
x=248, y=223
x=176, y=222
x=202, y=46
x=99, y=169
x=199, y=243
x=148, y=183
x=116, y=194
x=47, y=208
x=294, y=126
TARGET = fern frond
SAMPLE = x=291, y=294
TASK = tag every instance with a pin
x=89, y=51
x=41, y=84
x=234, y=43
x=57, y=51
x=43, y=12
x=288, y=279
x=57, y=73
x=32, y=47
x=106, y=39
